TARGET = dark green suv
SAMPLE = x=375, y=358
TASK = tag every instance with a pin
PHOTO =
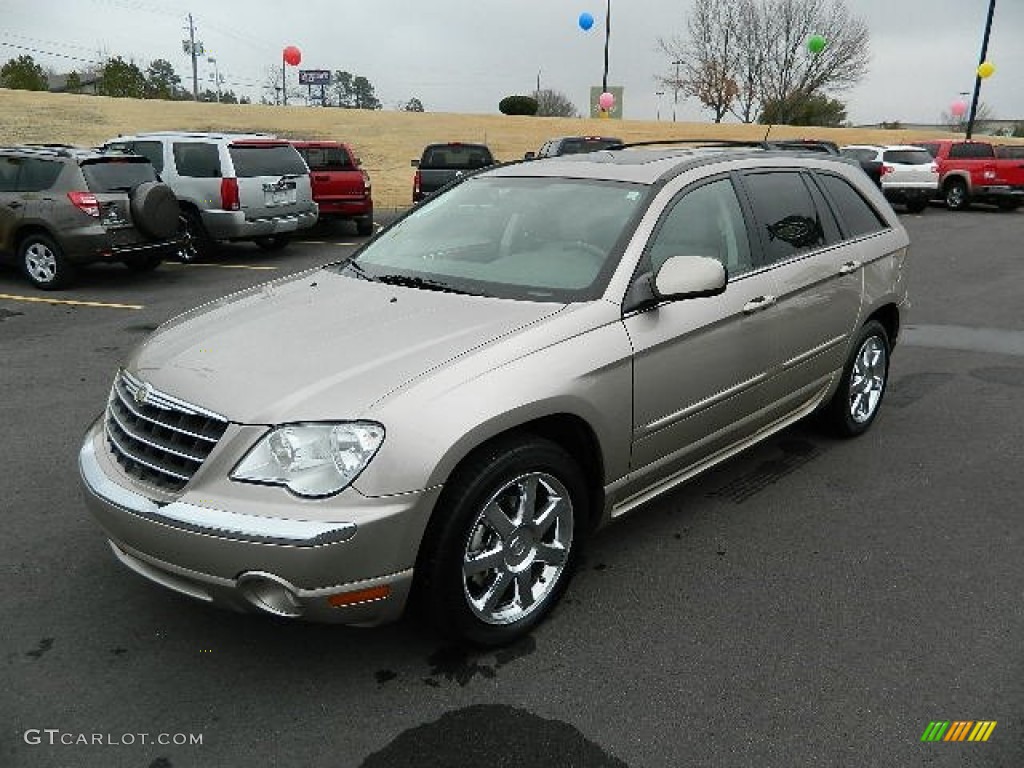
x=62, y=207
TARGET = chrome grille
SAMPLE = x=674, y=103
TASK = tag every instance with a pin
x=157, y=438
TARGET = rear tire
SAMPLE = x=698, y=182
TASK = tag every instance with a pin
x=44, y=263
x=364, y=226
x=956, y=196
x=855, y=404
x=503, y=542
x=197, y=243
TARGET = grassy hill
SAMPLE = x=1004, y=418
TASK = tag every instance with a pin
x=385, y=141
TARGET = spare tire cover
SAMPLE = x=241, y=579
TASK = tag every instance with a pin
x=155, y=210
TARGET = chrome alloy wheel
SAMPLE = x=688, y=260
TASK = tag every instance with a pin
x=867, y=379
x=41, y=263
x=517, y=548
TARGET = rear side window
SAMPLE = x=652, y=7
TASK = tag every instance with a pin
x=117, y=175
x=1010, y=151
x=787, y=219
x=37, y=175
x=965, y=151
x=907, y=156
x=931, y=147
x=266, y=160
x=196, y=159
x=857, y=217
x=581, y=145
x=460, y=156
x=326, y=158
x=9, y=173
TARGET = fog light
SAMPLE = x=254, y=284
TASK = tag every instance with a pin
x=269, y=593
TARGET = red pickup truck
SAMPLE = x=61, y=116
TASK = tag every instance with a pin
x=977, y=171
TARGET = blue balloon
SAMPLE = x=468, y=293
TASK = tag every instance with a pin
x=586, y=21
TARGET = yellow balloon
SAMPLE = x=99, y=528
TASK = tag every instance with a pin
x=986, y=69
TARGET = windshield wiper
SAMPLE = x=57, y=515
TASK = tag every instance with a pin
x=420, y=282
x=360, y=272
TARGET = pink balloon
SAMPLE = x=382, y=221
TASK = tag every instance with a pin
x=606, y=101
x=292, y=56
x=957, y=108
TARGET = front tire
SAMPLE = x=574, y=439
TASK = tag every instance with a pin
x=503, y=542
x=272, y=242
x=855, y=404
x=197, y=243
x=44, y=263
x=956, y=196
x=364, y=226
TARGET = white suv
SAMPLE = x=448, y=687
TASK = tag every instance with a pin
x=910, y=174
x=230, y=186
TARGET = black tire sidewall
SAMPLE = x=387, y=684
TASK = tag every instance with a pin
x=198, y=242
x=839, y=409
x=440, y=592
x=963, y=196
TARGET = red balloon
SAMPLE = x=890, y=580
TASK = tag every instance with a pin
x=292, y=56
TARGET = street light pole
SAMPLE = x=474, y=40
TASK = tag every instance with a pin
x=659, y=94
x=607, y=36
x=981, y=60
x=675, y=90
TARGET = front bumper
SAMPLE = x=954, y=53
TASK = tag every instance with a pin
x=356, y=571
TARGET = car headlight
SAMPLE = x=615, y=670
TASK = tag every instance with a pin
x=311, y=459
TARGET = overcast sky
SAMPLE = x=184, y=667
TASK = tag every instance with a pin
x=465, y=55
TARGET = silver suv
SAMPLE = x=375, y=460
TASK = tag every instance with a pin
x=533, y=353
x=230, y=186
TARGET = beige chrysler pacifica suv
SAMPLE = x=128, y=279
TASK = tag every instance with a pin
x=444, y=418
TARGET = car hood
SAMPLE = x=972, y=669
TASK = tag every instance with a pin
x=318, y=346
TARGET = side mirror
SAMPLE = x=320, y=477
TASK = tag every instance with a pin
x=687, y=277
x=415, y=163
x=529, y=156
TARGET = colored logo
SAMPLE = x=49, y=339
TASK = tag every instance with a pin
x=958, y=730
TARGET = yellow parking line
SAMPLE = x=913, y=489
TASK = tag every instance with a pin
x=218, y=266
x=70, y=302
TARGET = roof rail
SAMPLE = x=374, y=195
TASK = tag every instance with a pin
x=701, y=142
x=57, y=150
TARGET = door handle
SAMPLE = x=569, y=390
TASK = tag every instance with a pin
x=849, y=267
x=14, y=204
x=756, y=305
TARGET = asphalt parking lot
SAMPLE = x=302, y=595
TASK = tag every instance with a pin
x=809, y=603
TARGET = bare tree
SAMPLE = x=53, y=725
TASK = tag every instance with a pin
x=958, y=123
x=554, y=104
x=738, y=55
x=790, y=68
x=705, y=56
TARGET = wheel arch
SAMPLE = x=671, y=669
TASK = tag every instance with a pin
x=953, y=176
x=889, y=316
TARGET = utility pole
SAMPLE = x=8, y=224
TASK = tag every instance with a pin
x=675, y=90
x=194, y=49
x=981, y=60
x=659, y=94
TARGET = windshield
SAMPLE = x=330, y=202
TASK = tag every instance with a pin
x=908, y=157
x=326, y=158
x=537, y=239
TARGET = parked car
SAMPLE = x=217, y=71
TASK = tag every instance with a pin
x=532, y=353
x=909, y=174
x=572, y=145
x=441, y=164
x=341, y=189
x=231, y=186
x=873, y=168
x=62, y=207
x=973, y=171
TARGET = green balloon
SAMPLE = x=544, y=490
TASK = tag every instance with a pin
x=816, y=43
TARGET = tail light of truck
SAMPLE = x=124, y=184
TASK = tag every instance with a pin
x=85, y=202
x=417, y=181
x=366, y=182
x=229, y=199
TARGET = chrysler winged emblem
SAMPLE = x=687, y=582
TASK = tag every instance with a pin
x=142, y=394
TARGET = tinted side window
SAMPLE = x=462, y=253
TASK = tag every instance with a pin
x=965, y=150
x=9, y=173
x=860, y=155
x=787, y=220
x=38, y=175
x=931, y=147
x=198, y=160
x=858, y=217
x=706, y=221
x=907, y=156
x=152, y=151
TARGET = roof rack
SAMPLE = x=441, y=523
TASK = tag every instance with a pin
x=785, y=144
x=55, y=150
